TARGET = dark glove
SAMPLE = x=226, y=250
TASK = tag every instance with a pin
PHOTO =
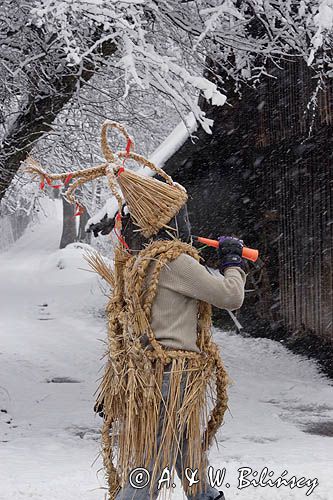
x=230, y=252
x=104, y=226
x=98, y=408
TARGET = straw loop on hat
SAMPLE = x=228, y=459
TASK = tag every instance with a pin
x=151, y=203
x=107, y=151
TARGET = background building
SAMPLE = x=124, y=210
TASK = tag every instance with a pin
x=265, y=174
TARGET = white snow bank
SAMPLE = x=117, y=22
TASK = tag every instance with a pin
x=52, y=331
x=50, y=324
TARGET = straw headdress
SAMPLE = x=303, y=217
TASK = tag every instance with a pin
x=151, y=202
x=130, y=391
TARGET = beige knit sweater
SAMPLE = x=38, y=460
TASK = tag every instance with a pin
x=181, y=284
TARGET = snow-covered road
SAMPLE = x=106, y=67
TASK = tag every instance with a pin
x=50, y=349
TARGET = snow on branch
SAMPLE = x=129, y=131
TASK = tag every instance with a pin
x=165, y=43
x=323, y=21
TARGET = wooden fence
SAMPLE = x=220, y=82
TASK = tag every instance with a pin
x=295, y=128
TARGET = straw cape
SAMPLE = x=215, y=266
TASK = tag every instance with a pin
x=130, y=389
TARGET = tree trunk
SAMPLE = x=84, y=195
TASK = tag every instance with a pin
x=82, y=236
x=41, y=110
x=68, y=225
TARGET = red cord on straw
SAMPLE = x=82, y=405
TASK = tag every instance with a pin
x=68, y=178
x=122, y=241
x=49, y=181
x=128, y=146
x=128, y=149
x=79, y=210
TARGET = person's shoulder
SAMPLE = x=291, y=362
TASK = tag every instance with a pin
x=185, y=258
x=181, y=271
x=183, y=263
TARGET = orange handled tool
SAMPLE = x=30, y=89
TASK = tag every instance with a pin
x=248, y=253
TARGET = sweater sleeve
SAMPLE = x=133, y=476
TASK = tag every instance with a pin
x=186, y=276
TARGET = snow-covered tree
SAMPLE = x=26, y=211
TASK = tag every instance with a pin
x=51, y=49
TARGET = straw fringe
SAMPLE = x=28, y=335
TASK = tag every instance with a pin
x=98, y=264
x=151, y=203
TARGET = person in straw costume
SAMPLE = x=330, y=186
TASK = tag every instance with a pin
x=163, y=394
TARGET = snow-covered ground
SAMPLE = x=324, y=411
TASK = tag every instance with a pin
x=52, y=332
